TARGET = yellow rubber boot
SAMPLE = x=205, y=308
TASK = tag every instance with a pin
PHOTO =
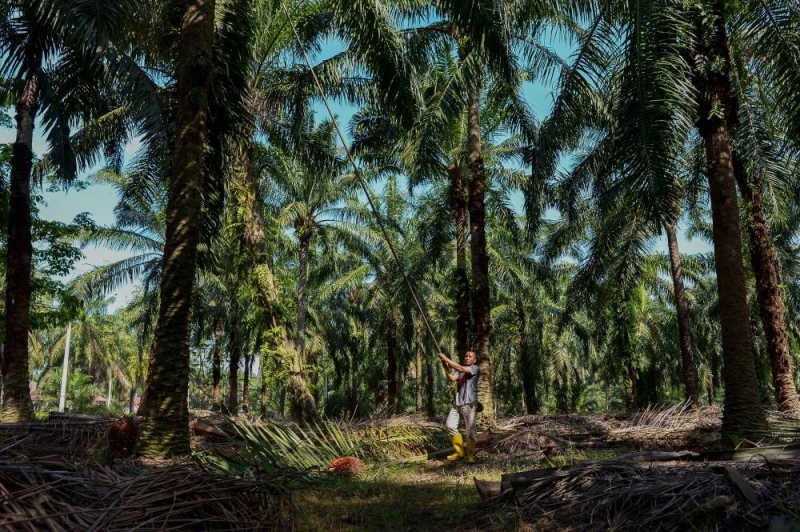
x=471, y=450
x=458, y=445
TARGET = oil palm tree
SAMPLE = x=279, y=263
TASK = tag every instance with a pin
x=312, y=193
x=50, y=52
x=688, y=65
x=164, y=402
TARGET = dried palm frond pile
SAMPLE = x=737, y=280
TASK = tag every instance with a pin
x=669, y=427
x=676, y=426
x=74, y=435
x=59, y=495
x=627, y=496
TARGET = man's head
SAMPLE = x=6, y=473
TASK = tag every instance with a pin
x=469, y=358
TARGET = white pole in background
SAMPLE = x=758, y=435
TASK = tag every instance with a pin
x=63, y=397
x=110, y=380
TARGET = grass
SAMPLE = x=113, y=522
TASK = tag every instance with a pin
x=408, y=497
x=429, y=496
x=399, y=490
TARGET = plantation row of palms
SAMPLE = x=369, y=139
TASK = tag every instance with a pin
x=448, y=218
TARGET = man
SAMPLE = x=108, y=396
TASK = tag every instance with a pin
x=465, y=406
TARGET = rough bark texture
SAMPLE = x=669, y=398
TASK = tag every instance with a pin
x=430, y=396
x=629, y=379
x=17, y=405
x=248, y=363
x=458, y=208
x=527, y=362
x=279, y=341
x=263, y=391
x=305, y=231
x=769, y=294
x=418, y=365
x=391, y=362
x=689, y=368
x=216, y=364
x=234, y=355
x=742, y=415
x=481, y=304
x=165, y=404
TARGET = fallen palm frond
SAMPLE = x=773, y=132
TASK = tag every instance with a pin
x=75, y=435
x=664, y=417
x=264, y=447
x=403, y=436
x=616, y=495
x=268, y=448
x=59, y=495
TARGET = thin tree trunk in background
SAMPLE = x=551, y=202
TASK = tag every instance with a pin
x=248, y=361
x=263, y=392
x=527, y=363
x=430, y=404
x=2, y=344
x=391, y=359
x=684, y=336
x=769, y=293
x=234, y=354
x=137, y=379
x=216, y=364
x=304, y=233
x=165, y=402
x=17, y=405
x=629, y=379
x=278, y=340
x=418, y=371
x=481, y=304
x=458, y=208
x=742, y=415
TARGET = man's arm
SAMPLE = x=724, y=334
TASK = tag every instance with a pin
x=458, y=367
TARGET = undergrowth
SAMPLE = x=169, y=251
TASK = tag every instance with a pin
x=399, y=489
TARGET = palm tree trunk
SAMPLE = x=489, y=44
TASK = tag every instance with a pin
x=263, y=392
x=684, y=336
x=458, y=208
x=302, y=402
x=216, y=364
x=527, y=362
x=165, y=403
x=304, y=232
x=629, y=370
x=430, y=403
x=742, y=415
x=391, y=356
x=769, y=293
x=17, y=404
x=248, y=362
x=235, y=354
x=481, y=305
x=3, y=299
x=418, y=371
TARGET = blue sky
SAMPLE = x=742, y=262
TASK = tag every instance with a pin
x=99, y=200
